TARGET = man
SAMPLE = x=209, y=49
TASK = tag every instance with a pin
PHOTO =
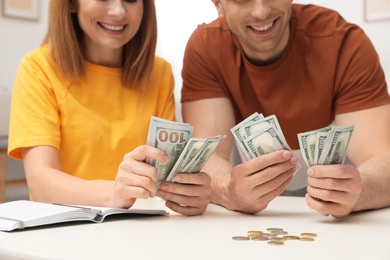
x=310, y=68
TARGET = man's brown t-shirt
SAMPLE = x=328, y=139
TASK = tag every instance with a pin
x=328, y=67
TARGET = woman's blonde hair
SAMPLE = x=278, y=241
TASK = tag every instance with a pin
x=65, y=39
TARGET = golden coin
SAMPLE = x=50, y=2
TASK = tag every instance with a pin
x=277, y=238
x=308, y=234
x=240, y=238
x=279, y=232
x=260, y=238
x=258, y=232
x=291, y=237
x=306, y=239
x=275, y=229
x=269, y=234
x=275, y=243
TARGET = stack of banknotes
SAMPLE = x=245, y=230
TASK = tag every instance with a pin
x=258, y=135
x=186, y=154
x=325, y=146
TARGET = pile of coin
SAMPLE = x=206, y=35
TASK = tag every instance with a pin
x=275, y=236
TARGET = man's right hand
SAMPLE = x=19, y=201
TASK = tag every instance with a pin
x=255, y=183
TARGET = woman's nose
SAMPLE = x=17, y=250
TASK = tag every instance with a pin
x=117, y=9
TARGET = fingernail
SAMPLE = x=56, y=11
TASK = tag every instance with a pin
x=164, y=187
x=286, y=154
x=166, y=158
x=178, y=178
x=310, y=172
x=294, y=160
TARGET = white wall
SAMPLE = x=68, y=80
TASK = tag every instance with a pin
x=17, y=38
x=175, y=27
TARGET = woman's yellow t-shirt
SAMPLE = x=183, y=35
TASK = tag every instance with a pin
x=93, y=122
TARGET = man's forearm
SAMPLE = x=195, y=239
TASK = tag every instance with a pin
x=219, y=170
x=375, y=175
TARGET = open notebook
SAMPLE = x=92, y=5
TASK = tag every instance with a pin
x=23, y=213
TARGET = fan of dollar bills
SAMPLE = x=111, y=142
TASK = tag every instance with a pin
x=258, y=135
x=186, y=154
x=324, y=146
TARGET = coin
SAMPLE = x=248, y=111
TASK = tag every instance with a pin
x=277, y=238
x=306, y=239
x=291, y=237
x=240, y=238
x=269, y=234
x=275, y=229
x=275, y=243
x=260, y=238
x=258, y=232
x=308, y=234
x=279, y=232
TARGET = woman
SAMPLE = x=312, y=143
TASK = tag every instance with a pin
x=81, y=108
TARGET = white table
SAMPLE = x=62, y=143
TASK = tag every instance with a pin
x=360, y=236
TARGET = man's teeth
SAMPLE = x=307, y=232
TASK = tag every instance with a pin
x=263, y=28
x=112, y=27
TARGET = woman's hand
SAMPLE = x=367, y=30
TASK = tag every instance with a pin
x=189, y=195
x=135, y=178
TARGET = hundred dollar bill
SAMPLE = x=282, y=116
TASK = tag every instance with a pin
x=195, y=155
x=308, y=144
x=327, y=145
x=197, y=163
x=321, y=138
x=199, y=160
x=170, y=137
x=336, y=145
x=239, y=133
x=265, y=141
x=192, y=147
x=258, y=135
x=254, y=127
